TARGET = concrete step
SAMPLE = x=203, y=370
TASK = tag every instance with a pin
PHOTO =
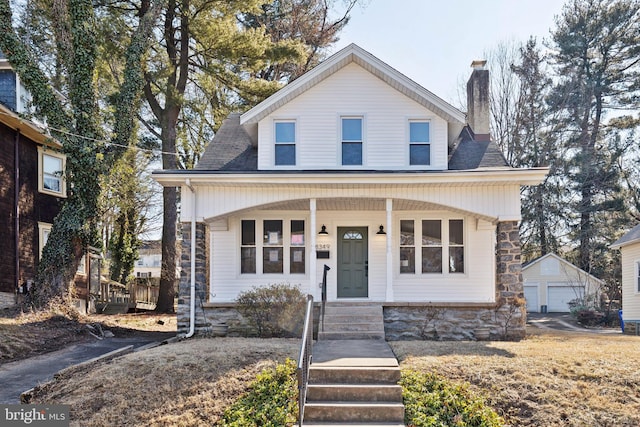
x=355, y=310
x=351, y=335
x=344, y=412
x=353, y=375
x=354, y=392
x=348, y=318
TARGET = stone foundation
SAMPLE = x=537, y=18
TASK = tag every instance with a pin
x=202, y=275
x=632, y=328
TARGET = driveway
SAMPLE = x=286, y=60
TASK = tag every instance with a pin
x=564, y=322
x=22, y=375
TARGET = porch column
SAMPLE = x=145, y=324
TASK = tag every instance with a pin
x=509, y=285
x=313, y=262
x=389, y=293
x=201, y=276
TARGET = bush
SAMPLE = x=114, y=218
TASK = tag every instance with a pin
x=270, y=402
x=274, y=311
x=431, y=401
x=589, y=317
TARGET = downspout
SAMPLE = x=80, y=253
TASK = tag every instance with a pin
x=16, y=208
x=192, y=302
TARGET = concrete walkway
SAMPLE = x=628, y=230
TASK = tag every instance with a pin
x=22, y=375
x=363, y=353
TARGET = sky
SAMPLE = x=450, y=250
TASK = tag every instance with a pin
x=434, y=41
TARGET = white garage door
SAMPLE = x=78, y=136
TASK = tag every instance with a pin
x=531, y=295
x=559, y=297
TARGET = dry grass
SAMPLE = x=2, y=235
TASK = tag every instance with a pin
x=188, y=383
x=549, y=379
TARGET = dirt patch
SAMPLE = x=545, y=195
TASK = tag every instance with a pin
x=24, y=335
x=548, y=379
x=188, y=383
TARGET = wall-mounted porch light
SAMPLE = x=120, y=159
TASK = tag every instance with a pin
x=323, y=231
x=381, y=231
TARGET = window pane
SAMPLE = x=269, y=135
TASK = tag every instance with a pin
x=297, y=233
x=248, y=232
x=285, y=132
x=273, y=232
x=420, y=154
x=407, y=260
x=431, y=260
x=352, y=129
x=272, y=260
x=419, y=132
x=455, y=232
x=297, y=260
x=248, y=260
x=456, y=260
x=431, y=232
x=406, y=232
x=351, y=153
x=285, y=154
x=51, y=183
x=51, y=165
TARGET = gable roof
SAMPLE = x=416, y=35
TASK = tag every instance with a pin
x=562, y=260
x=352, y=53
x=633, y=236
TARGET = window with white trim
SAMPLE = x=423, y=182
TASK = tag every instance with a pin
x=51, y=167
x=297, y=250
x=419, y=143
x=272, y=246
x=248, y=247
x=407, y=246
x=456, y=246
x=285, y=143
x=433, y=248
x=279, y=237
x=351, y=131
x=44, y=230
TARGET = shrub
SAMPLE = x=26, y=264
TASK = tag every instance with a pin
x=589, y=317
x=274, y=310
x=432, y=401
x=270, y=402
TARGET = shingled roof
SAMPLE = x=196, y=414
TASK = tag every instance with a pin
x=230, y=150
x=631, y=237
x=473, y=154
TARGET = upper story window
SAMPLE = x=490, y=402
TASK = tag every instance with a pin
x=285, y=132
x=419, y=143
x=351, y=141
x=51, y=166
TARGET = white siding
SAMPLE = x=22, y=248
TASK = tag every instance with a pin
x=497, y=201
x=630, y=294
x=476, y=284
x=353, y=91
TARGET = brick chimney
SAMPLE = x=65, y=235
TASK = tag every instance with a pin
x=478, y=110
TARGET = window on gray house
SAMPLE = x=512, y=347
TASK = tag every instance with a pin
x=248, y=247
x=419, y=147
x=351, y=141
x=285, y=143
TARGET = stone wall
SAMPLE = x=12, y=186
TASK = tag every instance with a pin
x=202, y=275
x=509, y=285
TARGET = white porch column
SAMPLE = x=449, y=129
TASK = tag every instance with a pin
x=389, y=295
x=313, y=262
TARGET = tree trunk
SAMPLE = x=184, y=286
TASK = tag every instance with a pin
x=168, y=273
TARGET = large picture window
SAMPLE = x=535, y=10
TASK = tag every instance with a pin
x=282, y=246
x=51, y=166
x=285, y=143
x=351, y=141
x=439, y=250
x=419, y=146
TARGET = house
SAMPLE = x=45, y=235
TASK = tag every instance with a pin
x=551, y=283
x=32, y=190
x=355, y=166
x=629, y=246
x=149, y=262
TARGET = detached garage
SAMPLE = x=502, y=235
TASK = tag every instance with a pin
x=551, y=283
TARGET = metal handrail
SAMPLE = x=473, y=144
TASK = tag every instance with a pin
x=302, y=372
x=324, y=294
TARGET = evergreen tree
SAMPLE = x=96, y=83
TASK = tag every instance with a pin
x=596, y=54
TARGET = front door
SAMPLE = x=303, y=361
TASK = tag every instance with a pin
x=353, y=262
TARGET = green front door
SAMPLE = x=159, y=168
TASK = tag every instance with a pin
x=353, y=262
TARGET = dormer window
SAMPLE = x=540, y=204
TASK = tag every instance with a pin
x=352, y=141
x=419, y=143
x=285, y=132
